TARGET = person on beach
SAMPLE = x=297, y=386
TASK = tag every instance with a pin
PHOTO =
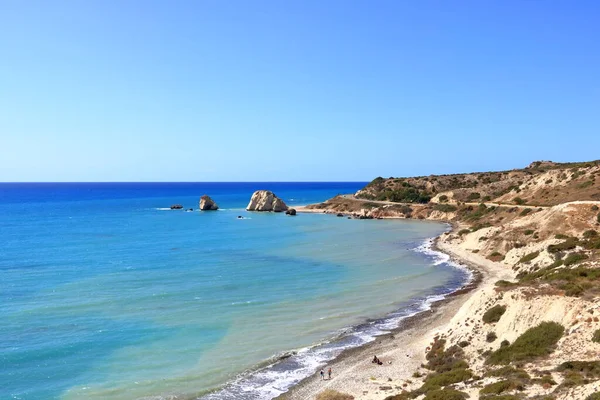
x=329, y=372
x=322, y=375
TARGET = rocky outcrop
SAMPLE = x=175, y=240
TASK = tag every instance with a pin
x=176, y=207
x=265, y=200
x=291, y=211
x=207, y=204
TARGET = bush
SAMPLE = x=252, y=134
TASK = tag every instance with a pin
x=443, y=198
x=525, y=212
x=593, y=396
x=445, y=394
x=574, y=258
x=445, y=207
x=494, y=314
x=568, y=244
x=437, y=381
x=590, y=234
x=596, y=336
x=529, y=257
x=590, y=369
x=509, y=372
x=503, y=283
x=598, y=218
x=490, y=337
x=595, y=208
x=474, y=196
x=440, y=360
x=535, y=342
x=519, y=201
x=464, y=231
x=499, y=387
x=528, y=232
x=330, y=394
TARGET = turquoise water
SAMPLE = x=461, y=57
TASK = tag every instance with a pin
x=108, y=295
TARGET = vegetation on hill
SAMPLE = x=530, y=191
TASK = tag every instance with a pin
x=541, y=183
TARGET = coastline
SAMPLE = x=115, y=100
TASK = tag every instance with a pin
x=403, y=349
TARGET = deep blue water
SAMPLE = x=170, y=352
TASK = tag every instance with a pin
x=107, y=294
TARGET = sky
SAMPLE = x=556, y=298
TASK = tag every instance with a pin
x=294, y=90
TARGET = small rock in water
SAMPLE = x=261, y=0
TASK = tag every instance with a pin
x=207, y=204
x=176, y=207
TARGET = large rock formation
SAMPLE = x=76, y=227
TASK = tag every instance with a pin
x=265, y=200
x=207, y=204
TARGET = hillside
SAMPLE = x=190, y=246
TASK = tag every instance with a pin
x=535, y=334
x=541, y=183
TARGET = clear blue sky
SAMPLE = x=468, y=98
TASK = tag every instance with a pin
x=294, y=90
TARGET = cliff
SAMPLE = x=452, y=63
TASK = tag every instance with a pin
x=532, y=330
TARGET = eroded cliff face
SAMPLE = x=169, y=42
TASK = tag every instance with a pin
x=265, y=200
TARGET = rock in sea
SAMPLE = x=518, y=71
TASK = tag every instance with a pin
x=265, y=200
x=176, y=207
x=290, y=211
x=207, y=204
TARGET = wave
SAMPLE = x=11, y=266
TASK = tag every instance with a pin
x=278, y=374
x=439, y=258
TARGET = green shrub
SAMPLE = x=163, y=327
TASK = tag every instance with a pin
x=528, y=232
x=329, y=394
x=443, y=198
x=474, y=196
x=445, y=394
x=439, y=380
x=503, y=283
x=499, y=387
x=595, y=208
x=590, y=369
x=568, y=244
x=596, y=336
x=445, y=207
x=519, y=201
x=441, y=360
x=535, y=342
x=598, y=218
x=525, y=212
x=585, y=184
x=509, y=372
x=572, y=289
x=494, y=314
x=590, y=234
x=545, y=380
x=464, y=231
x=529, y=257
x=593, y=396
x=574, y=258
x=561, y=236
x=490, y=337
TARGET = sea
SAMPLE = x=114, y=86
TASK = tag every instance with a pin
x=106, y=293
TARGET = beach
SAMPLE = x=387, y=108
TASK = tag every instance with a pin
x=403, y=350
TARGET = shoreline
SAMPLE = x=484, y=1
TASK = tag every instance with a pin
x=402, y=349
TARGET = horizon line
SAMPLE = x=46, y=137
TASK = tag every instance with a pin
x=50, y=182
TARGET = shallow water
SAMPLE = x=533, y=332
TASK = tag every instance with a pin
x=108, y=295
